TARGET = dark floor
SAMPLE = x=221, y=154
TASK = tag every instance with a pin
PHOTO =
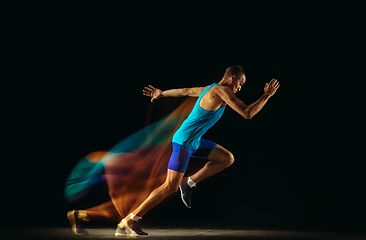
x=176, y=234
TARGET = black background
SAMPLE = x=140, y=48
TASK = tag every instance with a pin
x=75, y=81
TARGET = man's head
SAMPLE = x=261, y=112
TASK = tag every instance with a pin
x=235, y=77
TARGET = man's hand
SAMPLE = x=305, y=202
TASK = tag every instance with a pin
x=152, y=92
x=271, y=87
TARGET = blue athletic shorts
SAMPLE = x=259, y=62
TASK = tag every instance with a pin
x=180, y=156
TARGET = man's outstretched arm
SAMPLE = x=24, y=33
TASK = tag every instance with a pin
x=249, y=111
x=155, y=93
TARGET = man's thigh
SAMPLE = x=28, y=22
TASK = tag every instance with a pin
x=219, y=153
x=212, y=151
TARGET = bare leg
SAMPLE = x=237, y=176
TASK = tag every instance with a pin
x=220, y=158
x=170, y=186
x=105, y=211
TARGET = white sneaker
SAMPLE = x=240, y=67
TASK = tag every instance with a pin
x=120, y=231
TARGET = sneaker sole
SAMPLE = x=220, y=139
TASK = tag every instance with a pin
x=182, y=197
x=132, y=232
x=118, y=234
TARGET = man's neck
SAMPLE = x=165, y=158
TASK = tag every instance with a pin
x=223, y=82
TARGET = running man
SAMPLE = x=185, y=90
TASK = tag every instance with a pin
x=187, y=141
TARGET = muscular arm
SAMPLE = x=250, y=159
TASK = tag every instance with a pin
x=255, y=107
x=237, y=105
x=182, y=92
x=248, y=111
x=155, y=93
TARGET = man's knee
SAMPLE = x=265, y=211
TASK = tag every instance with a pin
x=171, y=188
x=229, y=158
x=221, y=154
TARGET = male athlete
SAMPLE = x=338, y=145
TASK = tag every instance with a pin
x=187, y=141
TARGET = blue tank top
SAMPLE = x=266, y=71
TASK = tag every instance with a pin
x=84, y=174
x=197, y=123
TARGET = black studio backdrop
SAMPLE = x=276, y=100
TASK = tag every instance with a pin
x=81, y=91
x=280, y=177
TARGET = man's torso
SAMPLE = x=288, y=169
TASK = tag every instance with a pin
x=211, y=101
x=206, y=112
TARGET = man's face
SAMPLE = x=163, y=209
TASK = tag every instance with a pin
x=238, y=83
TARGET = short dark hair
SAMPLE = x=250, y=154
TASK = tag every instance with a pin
x=235, y=70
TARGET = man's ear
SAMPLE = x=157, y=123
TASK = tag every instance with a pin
x=232, y=78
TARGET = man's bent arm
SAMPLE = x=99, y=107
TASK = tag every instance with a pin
x=237, y=105
x=248, y=111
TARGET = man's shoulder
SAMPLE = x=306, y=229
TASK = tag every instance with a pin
x=223, y=92
x=222, y=89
